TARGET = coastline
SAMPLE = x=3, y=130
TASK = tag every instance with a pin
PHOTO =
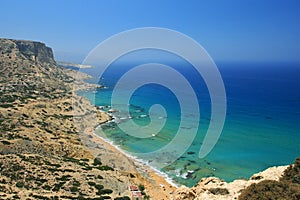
x=159, y=186
x=156, y=183
x=140, y=163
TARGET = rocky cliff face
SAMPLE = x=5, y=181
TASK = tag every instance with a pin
x=28, y=71
x=35, y=51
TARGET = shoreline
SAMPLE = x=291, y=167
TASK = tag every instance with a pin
x=175, y=191
x=137, y=161
x=157, y=184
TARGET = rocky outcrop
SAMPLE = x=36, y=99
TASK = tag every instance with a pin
x=214, y=188
x=28, y=72
x=31, y=50
x=35, y=51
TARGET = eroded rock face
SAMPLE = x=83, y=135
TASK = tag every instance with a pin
x=28, y=71
x=35, y=51
x=214, y=188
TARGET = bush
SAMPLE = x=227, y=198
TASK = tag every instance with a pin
x=19, y=184
x=74, y=189
x=99, y=187
x=46, y=187
x=97, y=162
x=288, y=187
x=57, y=186
x=91, y=183
x=218, y=191
x=76, y=183
x=141, y=187
x=105, y=168
x=99, y=177
x=104, y=191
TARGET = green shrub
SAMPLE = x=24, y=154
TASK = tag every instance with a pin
x=85, y=159
x=19, y=184
x=91, y=183
x=57, y=186
x=218, y=191
x=99, y=177
x=76, y=183
x=74, y=189
x=104, y=191
x=141, y=187
x=256, y=177
x=46, y=187
x=5, y=142
x=105, y=168
x=97, y=162
x=99, y=187
x=64, y=178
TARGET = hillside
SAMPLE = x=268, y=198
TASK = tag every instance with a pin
x=47, y=150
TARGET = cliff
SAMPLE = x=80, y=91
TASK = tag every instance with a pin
x=36, y=51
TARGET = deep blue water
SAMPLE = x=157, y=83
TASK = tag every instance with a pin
x=262, y=126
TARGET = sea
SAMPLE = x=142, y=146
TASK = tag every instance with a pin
x=261, y=129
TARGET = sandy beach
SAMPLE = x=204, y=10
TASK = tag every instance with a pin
x=155, y=185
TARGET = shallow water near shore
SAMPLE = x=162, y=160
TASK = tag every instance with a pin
x=261, y=130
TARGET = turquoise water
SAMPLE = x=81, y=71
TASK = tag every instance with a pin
x=262, y=126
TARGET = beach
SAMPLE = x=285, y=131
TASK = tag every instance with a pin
x=156, y=185
x=127, y=168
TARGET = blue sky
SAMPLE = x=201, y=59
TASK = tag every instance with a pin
x=230, y=30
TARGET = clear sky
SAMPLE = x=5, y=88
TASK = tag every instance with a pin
x=230, y=30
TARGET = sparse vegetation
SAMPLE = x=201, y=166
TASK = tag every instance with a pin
x=287, y=188
x=218, y=191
